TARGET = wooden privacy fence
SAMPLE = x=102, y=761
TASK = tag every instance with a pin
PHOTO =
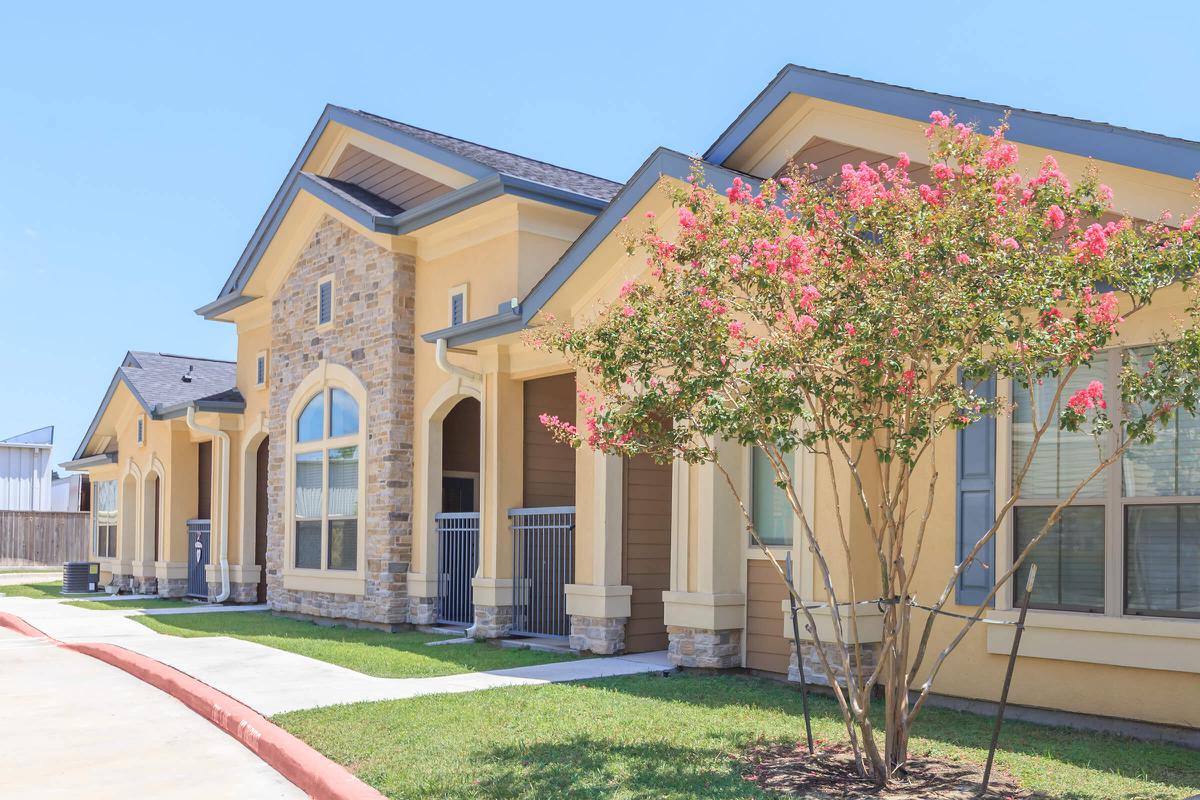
x=43, y=538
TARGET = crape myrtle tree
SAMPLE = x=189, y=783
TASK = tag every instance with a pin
x=852, y=318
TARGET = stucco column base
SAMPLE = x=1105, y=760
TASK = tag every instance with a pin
x=603, y=636
x=421, y=584
x=422, y=610
x=171, y=578
x=704, y=648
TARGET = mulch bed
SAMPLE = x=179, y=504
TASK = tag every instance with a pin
x=830, y=775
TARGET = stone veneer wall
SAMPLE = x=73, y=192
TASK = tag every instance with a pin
x=372, y=336
x=601, y=635
x=814, y=671
x=708, y=649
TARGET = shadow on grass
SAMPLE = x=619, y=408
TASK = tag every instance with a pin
x=1119, y=756
x=587, y=767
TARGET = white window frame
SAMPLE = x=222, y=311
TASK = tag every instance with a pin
x=1114, y=503
x=464, y=290
x=332, y=301
x=261, y=358
x=322, y=380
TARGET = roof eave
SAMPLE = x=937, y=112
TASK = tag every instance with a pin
x=507, y=320
x=180, y=409
x=81, y=464
x=1149, y=151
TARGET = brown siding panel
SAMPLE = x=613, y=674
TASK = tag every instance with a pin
x=549, y=467
x=766, y=649
x=646, y=551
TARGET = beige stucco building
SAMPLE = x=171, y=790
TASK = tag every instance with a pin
x=374, y=454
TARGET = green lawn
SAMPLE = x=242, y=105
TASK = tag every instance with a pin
x=386, y=655
x=50, y=590
x=125, y=605
x=678, y=737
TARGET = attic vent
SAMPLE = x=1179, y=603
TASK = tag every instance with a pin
x=187, y=376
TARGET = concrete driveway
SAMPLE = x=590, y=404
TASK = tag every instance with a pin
x=76, y=727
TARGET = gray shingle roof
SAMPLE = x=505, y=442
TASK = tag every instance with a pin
x=158, y=379
x=507, y=163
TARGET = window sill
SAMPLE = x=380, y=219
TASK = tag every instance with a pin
x=1138, y=642
x=323, y=581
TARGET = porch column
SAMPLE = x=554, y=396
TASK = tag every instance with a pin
x=501, y=489
x=598, y=603
x=705, y=610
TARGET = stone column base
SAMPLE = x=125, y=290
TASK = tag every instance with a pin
x=699, y=647
x=422, y=610
x=238, y=592
x=143, y=585
x=172, y=587
x=493, y=622
x=814, y=671
x=603, y=636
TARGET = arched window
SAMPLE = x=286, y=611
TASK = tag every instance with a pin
x=326, y=456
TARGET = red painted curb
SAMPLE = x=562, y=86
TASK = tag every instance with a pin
x=298, y=762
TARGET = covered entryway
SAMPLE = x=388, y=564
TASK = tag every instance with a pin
x=646, y=550
x=543, y=529
x=458, y=519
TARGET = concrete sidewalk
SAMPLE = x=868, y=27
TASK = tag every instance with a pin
x=75, y=726
x=273, y=681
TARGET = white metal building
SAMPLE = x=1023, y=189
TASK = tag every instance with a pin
x=25, y=479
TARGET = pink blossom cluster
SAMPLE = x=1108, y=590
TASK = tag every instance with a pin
x=1103, y=312
x=554, y=423
x=1094, y=241
x=1090, y=397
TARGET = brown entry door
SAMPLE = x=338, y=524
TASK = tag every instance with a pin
x=260, y=518
x=646, y=551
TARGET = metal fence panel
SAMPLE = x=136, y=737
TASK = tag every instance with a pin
x=458, y=560
x=543, y=564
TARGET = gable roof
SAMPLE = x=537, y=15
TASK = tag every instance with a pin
x=1140, y=149
x=1150, y=151
x=508, y=319
x=505, y=162
x=157, y=381
x=496, y=172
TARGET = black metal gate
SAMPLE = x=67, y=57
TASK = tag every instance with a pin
x=458, y=560
x=198, y=535
x=543, y=564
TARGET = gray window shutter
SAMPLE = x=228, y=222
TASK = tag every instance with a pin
x=261, y=374
x=976, y=502
x=456, y=309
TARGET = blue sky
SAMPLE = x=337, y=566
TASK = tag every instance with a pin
x=140, y=147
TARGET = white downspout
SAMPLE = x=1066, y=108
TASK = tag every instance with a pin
x=476, y=380
x=454, y=369
x=223, y=514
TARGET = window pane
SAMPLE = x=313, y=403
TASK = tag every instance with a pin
x=309, y=426
x=308, y=544
x=1063, y=459
x=1162, y=560
x=343, y=543
x=1070, y=559
x=343, y=414
x=308, y=486
x=343, y=482
x=770, y=508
